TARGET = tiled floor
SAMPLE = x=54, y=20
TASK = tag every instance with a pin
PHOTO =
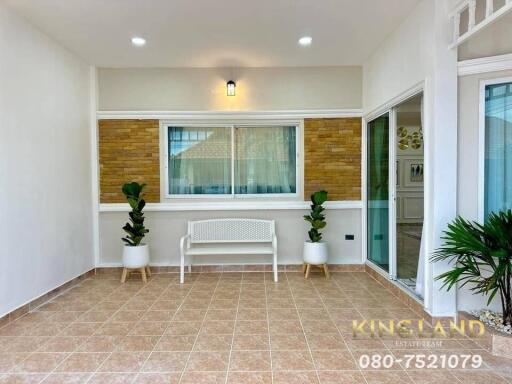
x=223, y=328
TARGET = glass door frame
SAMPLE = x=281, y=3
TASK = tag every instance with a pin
x=391, y=273
x=391, y=110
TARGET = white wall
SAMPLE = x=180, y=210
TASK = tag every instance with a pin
x=417, y=51
x=468, y=160
x=166, y=228
x=204, y=89
x=402, y=60
x=45, y=214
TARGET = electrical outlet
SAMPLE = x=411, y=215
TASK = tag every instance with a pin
x=349, y=237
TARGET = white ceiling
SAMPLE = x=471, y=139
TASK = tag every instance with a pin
x=217, y=33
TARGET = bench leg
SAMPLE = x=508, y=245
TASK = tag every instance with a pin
x=190, y=264
x=182, y=268
x=275, y=267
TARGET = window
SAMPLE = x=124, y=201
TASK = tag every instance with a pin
x=497, y=148
x=232, y=160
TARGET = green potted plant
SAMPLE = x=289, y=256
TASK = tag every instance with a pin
x=315, y=250
x=482, y=258
x=135, y=253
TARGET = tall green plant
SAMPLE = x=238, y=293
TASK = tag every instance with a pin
x=135, y=228
x=483, y=258
x=316, y=218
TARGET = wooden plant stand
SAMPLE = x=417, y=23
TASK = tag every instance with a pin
x=144, y=271
x=306, y=268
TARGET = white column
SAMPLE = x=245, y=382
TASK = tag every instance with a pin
x=441, y=157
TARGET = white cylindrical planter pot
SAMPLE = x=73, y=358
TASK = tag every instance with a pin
x=135, y=257
x=315, y=253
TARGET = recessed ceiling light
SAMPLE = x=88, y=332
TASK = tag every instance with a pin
x=138, y=41
x=306, y=40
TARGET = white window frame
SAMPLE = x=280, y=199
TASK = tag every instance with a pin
x=232, y=124
x=481, y=142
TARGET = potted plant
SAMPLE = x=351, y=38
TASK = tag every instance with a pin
x=135, y=253
x=315, y=250
x=482, y=257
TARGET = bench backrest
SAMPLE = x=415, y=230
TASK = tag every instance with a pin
x=231, y=231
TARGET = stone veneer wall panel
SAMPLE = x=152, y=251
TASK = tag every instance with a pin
x=128, y=151
x=332, y=157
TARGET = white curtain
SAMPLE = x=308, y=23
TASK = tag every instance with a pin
x=265, y=160
x=420, y=274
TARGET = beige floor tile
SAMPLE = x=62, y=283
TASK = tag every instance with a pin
x=100, y=344
x=249, y=378
x=124, y=362
x=67, y=378
x=166, y=362
x=39, y=362
x=285, y=327
x=325, y=341
x=246, y=327
x=183, y=328
x=137, y=343
x=157, y=378
x=9, y=360
x=250, y=361
x=152, y=315
x=175, y=343
x=204, y=378
x=333, y=360
x=478, y=377
x=62, y=344
x=293, y=341
x=80, y=329
x=114, y=329
x=341, y=377
x=208, y=342
x=82, y=362
x=292, y=361
x=424, y=376
x=208, y=361
x=295, y=377
x=149, y=328
x=218, y=327
x=387, y=377
x=112, y=378
x=22, y=378
x=251, y=342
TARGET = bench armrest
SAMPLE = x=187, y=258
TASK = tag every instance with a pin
x=182, y=241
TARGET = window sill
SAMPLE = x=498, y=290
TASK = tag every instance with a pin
x=232, y=206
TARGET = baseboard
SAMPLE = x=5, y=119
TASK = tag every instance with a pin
x=208, y=268
x=40, y=300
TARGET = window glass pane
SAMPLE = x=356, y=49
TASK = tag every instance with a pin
x=498, y=148
x=265, y=160
x=199, y=160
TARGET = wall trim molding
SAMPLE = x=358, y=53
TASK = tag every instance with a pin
x=231, y=206
x=393, y=102
x=226, y=115
x=485, y=65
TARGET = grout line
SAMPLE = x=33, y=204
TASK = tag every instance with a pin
x=200, y=327
x=302, y=326
x=166, y=328
x=234, y=328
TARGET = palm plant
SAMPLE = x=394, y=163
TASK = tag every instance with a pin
x=316, y=218
x=482, y=254
x=135, y=228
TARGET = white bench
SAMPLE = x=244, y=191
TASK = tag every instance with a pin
x=228, y=237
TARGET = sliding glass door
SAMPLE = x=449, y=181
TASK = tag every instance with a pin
x=377, y=193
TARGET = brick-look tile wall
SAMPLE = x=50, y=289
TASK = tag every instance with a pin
x=128, y=151
x=332, y=157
